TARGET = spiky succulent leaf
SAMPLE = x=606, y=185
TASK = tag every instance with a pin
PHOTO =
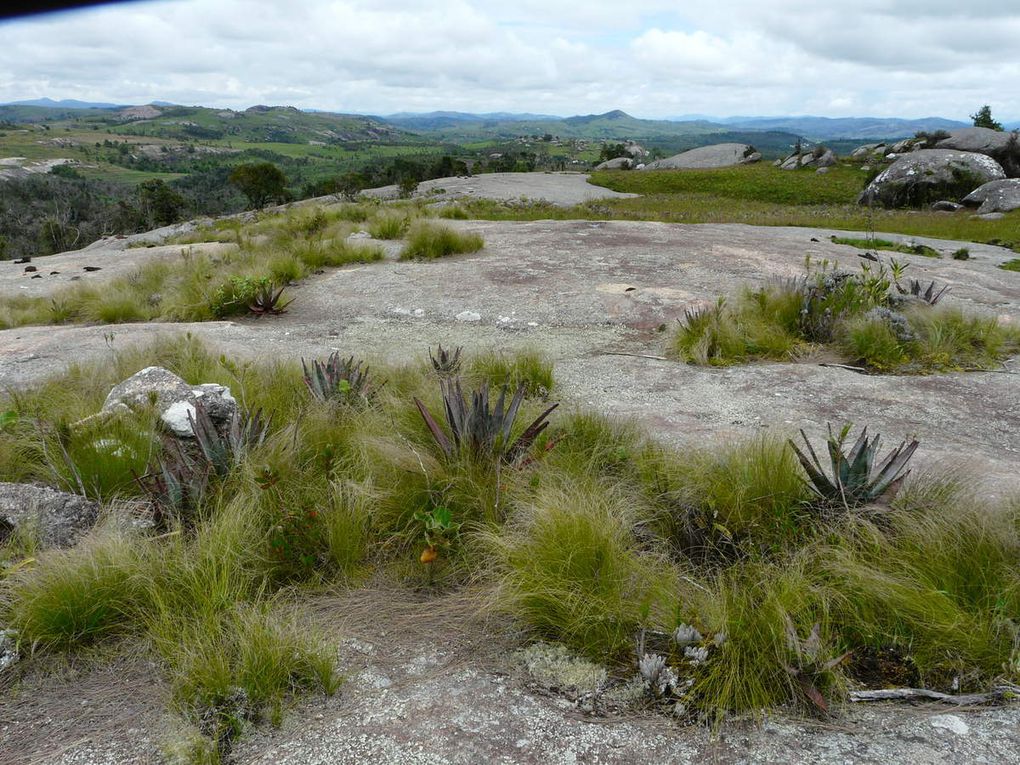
x=854, y=479
x=268, y=301
x=434, y=429
x=339, y=379
x=445, y=363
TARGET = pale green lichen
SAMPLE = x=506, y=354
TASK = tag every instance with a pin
x=554, y=667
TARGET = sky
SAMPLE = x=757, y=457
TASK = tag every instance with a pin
x=651, y=58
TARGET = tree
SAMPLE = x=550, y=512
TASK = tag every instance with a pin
x=260, y=182
x=613, y=151
x=160, y=204
x=983, y=118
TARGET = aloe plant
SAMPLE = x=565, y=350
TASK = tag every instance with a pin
x=445, y=363
x=855, y=479
x=268, y=301
x=479, y=430
x=338, y=379
x=181, y=476
x=810, y=665
x=915, y=288
x=222, y=450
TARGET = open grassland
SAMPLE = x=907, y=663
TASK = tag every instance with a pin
x=749, y=583
x=758, y=195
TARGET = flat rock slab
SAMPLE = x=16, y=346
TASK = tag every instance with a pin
x=70, y=267
x=562, y=189
x=580, y=291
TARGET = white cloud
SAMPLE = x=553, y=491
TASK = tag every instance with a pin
x=650, y=57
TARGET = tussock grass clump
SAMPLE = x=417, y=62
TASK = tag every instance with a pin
x=574, y=573
x=756, y=327
x=78, y=596
x=752, y=604
x=935, y=587
x=871, y=318
x=1011, y=265
x=428, y=242
x=725, y=504
x=528, y=368
x=226, y=668
x=388, y=225
x=453, y=212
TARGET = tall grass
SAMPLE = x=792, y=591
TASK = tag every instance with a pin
x=428, y=242
x=858, y=316
x=601, y=536
x=574, y=573
x=194, y=287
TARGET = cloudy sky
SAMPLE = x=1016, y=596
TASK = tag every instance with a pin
x=651, y=58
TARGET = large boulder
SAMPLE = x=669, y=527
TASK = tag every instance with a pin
x=1004, y=148
x=995, y=196
x=60, y=518
x=717, y=155
x=925, y=176
x=620, y=163
x=820, y=156
x=869, y=151
x=978, y=139
x=173, y=399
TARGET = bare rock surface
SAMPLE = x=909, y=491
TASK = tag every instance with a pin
x=113, y=260
x=979, y=139
x=172, y=398
x=562, y=189
x=59, y=517
x=619, y=163
x=717, y=155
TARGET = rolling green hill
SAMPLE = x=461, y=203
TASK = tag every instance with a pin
x=260, y=124
x=611, y=125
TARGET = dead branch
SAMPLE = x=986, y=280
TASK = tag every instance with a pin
x=1000, y=693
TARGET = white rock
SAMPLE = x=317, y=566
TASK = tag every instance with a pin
x=178, y=416
x=950, y=723
x=469, y=316
x=8, y=649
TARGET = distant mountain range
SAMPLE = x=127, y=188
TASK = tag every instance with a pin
x=618, y=123
x=821, y=128
x=67, y=103
x=611, y=125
